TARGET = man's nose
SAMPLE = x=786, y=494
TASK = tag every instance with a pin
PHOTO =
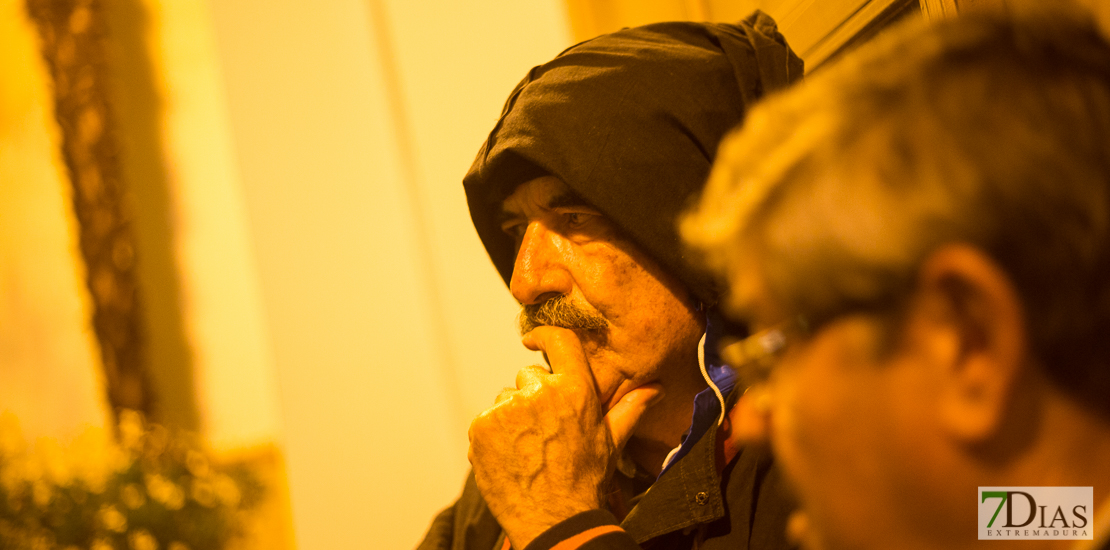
x=540, y=271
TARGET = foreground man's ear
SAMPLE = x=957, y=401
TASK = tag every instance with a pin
x=975, y=329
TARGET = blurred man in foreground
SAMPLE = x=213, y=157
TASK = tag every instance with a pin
x=921, y=236
x=576, y=195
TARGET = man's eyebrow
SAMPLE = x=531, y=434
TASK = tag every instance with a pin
x=562, y=200
x=505, y=216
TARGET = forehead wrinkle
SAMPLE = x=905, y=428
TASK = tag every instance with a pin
x=565, y=199
x=561, y=199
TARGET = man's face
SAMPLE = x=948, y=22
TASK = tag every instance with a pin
x=568, y=249
x=852, y=423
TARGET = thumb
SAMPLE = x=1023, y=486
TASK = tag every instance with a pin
x=624, y=416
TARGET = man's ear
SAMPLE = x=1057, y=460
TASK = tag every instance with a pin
x=978, y=316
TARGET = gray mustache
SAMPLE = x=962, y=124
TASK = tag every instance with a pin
x=559, y=312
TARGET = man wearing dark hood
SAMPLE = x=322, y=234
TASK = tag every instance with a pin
x=575, y=196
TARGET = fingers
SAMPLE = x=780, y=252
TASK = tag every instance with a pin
x=526, y=378
x=563, y=350
x=624, y=416
x=530, y=376
x=505, y=393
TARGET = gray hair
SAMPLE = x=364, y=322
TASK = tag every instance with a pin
x=984, y=130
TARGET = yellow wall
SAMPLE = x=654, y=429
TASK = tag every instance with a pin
x=223, y=314
x=353, y=122
x=334, y=296
x=49, y=363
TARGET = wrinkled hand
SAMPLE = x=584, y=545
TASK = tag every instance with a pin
x=544, y=452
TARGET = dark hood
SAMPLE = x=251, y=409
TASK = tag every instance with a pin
x=630, y=121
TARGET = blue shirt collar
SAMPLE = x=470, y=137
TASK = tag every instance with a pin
x=708, y=405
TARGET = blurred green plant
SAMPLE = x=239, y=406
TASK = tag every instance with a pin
x=146, y=488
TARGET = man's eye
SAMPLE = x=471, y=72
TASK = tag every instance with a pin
x=515, y=230
x=577, y=219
